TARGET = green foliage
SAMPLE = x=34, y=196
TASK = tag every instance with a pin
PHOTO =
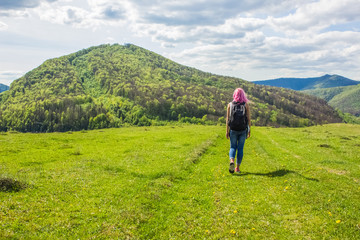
x=348, y=100
x=349, y=118
x=173, y=182
x=345, y=99
x=114, y=85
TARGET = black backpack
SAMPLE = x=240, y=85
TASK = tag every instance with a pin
x=238, y=120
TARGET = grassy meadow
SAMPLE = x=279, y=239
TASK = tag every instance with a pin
x=172, y=182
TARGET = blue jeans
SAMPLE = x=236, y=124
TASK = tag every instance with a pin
x=237, y=142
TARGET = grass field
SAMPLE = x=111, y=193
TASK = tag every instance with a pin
x=173, y=183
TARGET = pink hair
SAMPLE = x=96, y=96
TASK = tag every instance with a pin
x=239, y=95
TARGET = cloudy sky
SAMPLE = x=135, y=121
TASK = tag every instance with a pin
x=250, y=39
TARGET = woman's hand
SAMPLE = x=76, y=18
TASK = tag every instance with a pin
x=248, y=135
x=227, y=135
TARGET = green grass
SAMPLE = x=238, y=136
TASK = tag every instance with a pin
x=173, y=183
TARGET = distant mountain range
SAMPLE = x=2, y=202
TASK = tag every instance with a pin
x=119, y=85
x=340, y=92
x=299, y=84
x=3, y=87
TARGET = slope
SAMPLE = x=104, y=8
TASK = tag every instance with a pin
x=344, y=98
x=114, y=85
x=326, y=81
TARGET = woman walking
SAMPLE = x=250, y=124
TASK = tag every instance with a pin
x=238, y=123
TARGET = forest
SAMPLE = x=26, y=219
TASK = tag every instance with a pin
x=119, y=85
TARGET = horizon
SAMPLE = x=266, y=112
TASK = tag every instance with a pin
x=242, y=39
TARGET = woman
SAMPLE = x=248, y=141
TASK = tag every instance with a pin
x=238, y=123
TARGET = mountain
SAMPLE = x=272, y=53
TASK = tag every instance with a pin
x=3, y=87
x=326, y=81
x=344, y=98
x=340, y=92
x=119, y=85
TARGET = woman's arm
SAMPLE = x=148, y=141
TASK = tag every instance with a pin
x=227, y=122
x=248, y=116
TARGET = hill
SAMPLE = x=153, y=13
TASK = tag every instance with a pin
x=3, y=87
x=295, y=183
x=344, y=98
x=115, y=85
x=326, y=81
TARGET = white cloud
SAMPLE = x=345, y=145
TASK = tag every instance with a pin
x=332, y=51
x=96, y=14
x=6, y=77
x=231, y=30
x=110, y=10
x=68, y=15
x=318, y=15
x=3, y=26
x=19, y=4
x=14, y=13
x=201, y=12
x=230, y=36
x=20, y=8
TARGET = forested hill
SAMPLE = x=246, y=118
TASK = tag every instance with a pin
x=115, y=85
x=326, y=81
x=344, y=98
x=3, y=87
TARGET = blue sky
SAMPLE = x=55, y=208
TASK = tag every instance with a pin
x=249, y=39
